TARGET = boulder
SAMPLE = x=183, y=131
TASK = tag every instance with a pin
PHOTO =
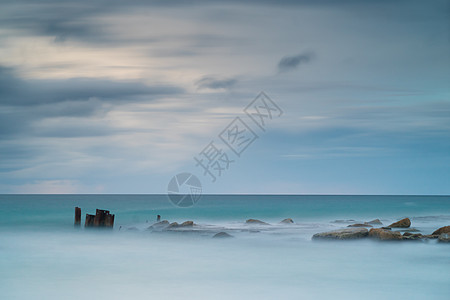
x=222, y=235
x=374, y=222
x=407, y=236
x=445, y=229
x=159, y=225
x=386, y=228
x=287, y=221
x=444, y=238
x=187, y=224
x=173, y=225
x=359, y=225
x=255, y=221
x=384, y=235
x=343, y=234
x=403, y=223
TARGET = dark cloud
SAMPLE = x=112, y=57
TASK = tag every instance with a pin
x=289, y=63
x=211, y=82
x=17, y=92
x=23, y=103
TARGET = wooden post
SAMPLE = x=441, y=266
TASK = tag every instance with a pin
x=89, y=221
x=77, y=216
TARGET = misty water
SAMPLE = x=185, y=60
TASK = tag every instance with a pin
x=42, y=255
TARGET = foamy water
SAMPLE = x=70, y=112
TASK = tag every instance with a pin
x=44, y=257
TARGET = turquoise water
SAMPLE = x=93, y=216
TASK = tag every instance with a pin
x=42, y=256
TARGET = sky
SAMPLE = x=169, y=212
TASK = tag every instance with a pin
x=120, y=96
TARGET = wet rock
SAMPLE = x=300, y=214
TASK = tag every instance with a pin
x=222, y=235
x=445, y=229
x=359, y=225
x=173, y=225
x=403, y=223
x=444, y=238
x=343, y=221
x=255, y=221
x=287, y=221
x=159, y=225
x=384, y=235
x=187, y=224
x=408, y=236
x=386, y=228
x=410, y=230
x=431, y=236
x=374, y=222
x=343, y=234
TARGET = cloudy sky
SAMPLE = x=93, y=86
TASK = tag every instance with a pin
x=119, y=96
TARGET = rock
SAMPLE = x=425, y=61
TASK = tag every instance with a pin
x=444, y=238
x=386, y=228
x=255, y=221
x=431, y=236
x=445, y=229
x=173, y=225
x=359, y=225
x=403, y=223
x=410, y=230
x=287, y=221
x=187, y=224
x=384, y=235
x=222, y=235
x=343, y=234
x=159, y=225
x=343, y=221
x=374, y=222
x=412, y=236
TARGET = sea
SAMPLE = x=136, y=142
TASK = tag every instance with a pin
x=44, y=256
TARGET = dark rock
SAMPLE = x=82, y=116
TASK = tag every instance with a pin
x=386, y=228
x=403, y=223
x=374, y=222
x=287, y=221
x=445, y=229
x=342, y=234
x=444, y=238
x=343, y=221
x=410, y=230
x=359, y=225
x=255, y=221
x=384, y=235
x=222, y=235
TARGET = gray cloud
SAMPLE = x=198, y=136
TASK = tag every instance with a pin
x=289, y=63
x=212, y=82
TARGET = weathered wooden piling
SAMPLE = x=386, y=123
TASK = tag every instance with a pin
x=102, y=218
x=77, y=216
x=89, y=220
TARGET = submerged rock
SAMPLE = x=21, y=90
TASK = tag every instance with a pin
x=222, y=235
x=444, y=238
x=403, y=223
x=255, y=221
x=343, y=234
x=159, y=225
x=359, y=225
x=445, y=229
x=374, y=222
x=287, y=221
x=384, y=235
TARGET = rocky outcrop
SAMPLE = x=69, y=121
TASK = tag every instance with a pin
x=159, y=225
x=342, y=234
x=374, y=222
x=187, y=224
x=255, y=222
x=445, y=229
x=222, y=235
x=182, y=225
x=431, y=236
x=359, y=225
x=385, y=235
x=403, y=223
x=444, y=238
x=287, y=221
